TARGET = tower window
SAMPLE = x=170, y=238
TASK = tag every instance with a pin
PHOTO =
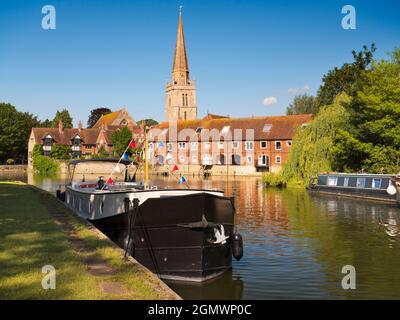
x=184, y=115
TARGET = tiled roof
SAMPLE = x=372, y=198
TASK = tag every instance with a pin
x=89, y=136
x=211, y=116
x=265, y=128
x=107, y=119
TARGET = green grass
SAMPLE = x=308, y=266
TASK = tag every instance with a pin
x=31, y=239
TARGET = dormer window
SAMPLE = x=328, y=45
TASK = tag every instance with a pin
x=123, y=122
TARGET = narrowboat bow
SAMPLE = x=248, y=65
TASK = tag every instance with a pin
x=179, y=234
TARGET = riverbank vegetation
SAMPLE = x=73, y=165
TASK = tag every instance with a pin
x=356, y=126
x=31, y=238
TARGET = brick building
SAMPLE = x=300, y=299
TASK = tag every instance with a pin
x=83, y=141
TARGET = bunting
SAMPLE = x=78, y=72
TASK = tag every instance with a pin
x=175, y=168
x=182, y=180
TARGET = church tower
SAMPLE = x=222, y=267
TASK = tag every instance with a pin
x=180, y=93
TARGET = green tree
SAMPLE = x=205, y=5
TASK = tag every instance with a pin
x=120, y=139
x=15, y=129
x=312, y=150
x=95, y=115
x=46, y=123
x=303, y=104
x=375, y=112
x=65, y=117
x=148, y=122
x=61, y=152
x=345, y=79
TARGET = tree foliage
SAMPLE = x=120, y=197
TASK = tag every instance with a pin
x=61, y=152
x=148, y=122
x=64, y=116
x=313, y=146
x=345, y=79
x=15, y=128
x=120, y=139
x=303, y=104
x=95, y=115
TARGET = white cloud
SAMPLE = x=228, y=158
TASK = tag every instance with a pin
x=269, y=101
x=297, y=91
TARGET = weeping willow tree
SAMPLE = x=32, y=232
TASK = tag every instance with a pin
x=314, y=147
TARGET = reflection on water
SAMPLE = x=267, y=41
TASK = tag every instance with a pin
x=297, y=243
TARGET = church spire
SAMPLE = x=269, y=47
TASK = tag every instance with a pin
x=180, y=68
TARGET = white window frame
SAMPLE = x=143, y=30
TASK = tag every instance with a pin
x=249, y=145
x=276, y=145
x=249, y=160
x=276, y=159
x=182, y=145
x=266, y=145
x=332, y=181
x=169, y=146
x=220, y=145
x=195, y=159
x=194, y=145
x=374, y=180
x=235, y=145
x=289, y=143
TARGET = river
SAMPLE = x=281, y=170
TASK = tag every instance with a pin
x=296, y=243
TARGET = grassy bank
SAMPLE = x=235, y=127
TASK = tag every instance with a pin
x=278, y=180
x=31, y=236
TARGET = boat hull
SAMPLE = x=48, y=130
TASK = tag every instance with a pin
x=173, y=236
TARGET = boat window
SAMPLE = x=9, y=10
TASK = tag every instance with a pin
x=332, y=181
x=360, y=182
x=376, y=183
x=346, y=182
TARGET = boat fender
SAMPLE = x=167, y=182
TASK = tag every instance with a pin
x=237, y=246
x=391, y=190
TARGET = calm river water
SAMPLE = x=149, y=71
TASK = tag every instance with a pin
x=296, y=244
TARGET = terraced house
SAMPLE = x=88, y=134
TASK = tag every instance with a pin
x=252, y=144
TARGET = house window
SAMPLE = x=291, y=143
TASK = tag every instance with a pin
x=182, y=145
x=332, y=181
x=169, y=146
x=198, y=130
x=235, y=144
x=184, y=115
x=278, y=145
x=249, y=145
x=194, y=159
x=182, y=159
x=263, y=144
x=278, y=159
x=220, y=145
x=289, y=143
x=207, y=160
x=249, y=159
x=376, y=183
x=194, y=146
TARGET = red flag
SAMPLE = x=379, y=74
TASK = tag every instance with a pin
x=110, y=181
x=175, y=168
x=132, y=144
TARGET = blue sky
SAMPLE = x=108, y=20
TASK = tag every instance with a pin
x=119, y=53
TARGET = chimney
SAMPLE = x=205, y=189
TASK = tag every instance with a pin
x=60, y=127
